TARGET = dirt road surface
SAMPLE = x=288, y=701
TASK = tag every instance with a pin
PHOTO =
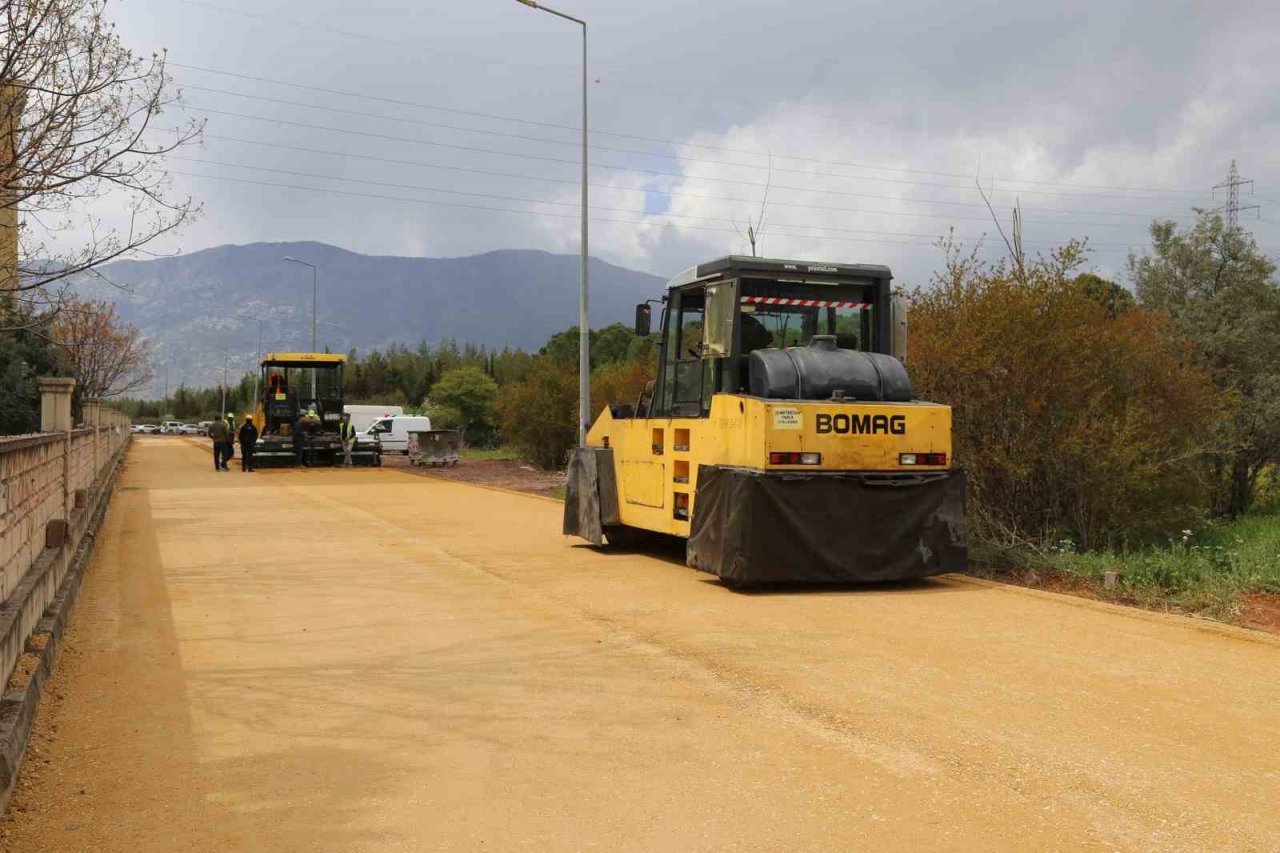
x=366, y=660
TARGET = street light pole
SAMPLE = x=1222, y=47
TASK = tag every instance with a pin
x=584, y=331
x=254, y=401
x=315, y=298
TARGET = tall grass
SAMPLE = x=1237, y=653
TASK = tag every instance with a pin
x=1200, y=571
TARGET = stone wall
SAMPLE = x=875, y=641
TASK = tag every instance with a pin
x=51, y=486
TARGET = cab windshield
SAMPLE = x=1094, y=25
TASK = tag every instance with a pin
x=776, y=315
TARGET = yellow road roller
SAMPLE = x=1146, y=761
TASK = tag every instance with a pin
x=782, y=438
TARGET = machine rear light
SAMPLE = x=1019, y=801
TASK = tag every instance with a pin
x=922, y=459
x=793, y=458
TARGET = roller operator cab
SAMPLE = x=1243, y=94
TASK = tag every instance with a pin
x=299, y=410
x=781, y=437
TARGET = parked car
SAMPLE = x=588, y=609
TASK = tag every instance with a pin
x=392, y=434
x=204, y=427
x=363, y=417
x=146, y=429
x=171, y=427
x=189, y=429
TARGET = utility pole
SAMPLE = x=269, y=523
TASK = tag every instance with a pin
x=254, y=401
x=224, y=385
x=1231, y=209
x=315, y=299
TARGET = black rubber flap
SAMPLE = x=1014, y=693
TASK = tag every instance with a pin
x=591, y=493
x=751, y=527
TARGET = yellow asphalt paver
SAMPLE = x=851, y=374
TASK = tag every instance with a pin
x=367, y=660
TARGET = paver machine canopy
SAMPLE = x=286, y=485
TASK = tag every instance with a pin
x=302, y=391
x=781, y=438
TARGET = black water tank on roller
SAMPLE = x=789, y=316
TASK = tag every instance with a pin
x=819, y=370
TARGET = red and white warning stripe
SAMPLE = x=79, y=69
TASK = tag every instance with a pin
x=807, y=303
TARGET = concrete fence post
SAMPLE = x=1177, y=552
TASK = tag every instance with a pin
x=55, y=403
x=55, y=416
x=93, y=420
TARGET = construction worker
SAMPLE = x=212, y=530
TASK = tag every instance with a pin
x=221, y=440
x=248, y=438
x=347, y=435
x=299, y=440
x=229, y=421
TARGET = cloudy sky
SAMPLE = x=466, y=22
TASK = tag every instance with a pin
x=449, y=128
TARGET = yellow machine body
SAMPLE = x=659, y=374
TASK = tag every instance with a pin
x=656, y=460
x=781, y=438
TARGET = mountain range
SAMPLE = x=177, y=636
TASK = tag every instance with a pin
x=207, y=307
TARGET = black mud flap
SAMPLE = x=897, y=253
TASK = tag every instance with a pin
x=751, y=527
x=591, y=494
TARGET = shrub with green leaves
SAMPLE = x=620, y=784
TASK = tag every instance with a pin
x=1075, y=415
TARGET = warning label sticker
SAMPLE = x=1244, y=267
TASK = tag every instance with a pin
x=784, y=418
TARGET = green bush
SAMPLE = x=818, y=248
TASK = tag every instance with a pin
x=443, y=417
x=1072, y=414
x=24, y=355
x=540, y=414
x=470, y=393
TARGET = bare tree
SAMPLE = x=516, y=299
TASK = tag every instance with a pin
x=108, y=357
x=77, y=110
x=755, y=226
x=1014, y=245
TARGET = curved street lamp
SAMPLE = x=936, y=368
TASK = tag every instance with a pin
x=584, y=332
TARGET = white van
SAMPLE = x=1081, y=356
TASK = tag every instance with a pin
x=362, y=417
x=392, y=434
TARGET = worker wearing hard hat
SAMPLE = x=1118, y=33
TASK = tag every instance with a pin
x=248, y=438
x=347, y=435
x=299, y=437
x=229, y=421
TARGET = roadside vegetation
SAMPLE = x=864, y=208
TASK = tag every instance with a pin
x=1106, y=431
x=1204, y=571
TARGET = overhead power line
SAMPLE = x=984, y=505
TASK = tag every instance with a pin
x=521, y=155
x=572, y=205
x=573, y=216
x=615, y=150
x=596, y=185
x=671, y=142
x=542, y=214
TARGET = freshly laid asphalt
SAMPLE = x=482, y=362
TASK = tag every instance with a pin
x=367, y=660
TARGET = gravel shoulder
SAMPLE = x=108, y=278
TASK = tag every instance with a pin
x=372, y=660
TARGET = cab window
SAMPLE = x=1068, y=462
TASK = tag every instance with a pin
x=682, y=378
